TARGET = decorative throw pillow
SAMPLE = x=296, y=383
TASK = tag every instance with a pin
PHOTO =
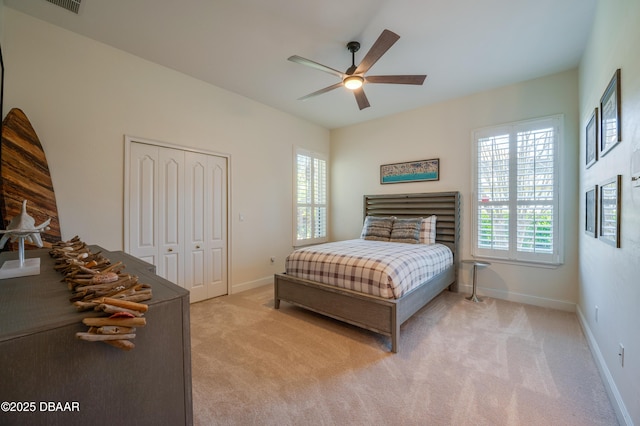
x=428, y=230
x=377, y=228
x=406, y=231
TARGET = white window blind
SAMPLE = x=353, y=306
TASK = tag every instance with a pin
x=311, y=198
x=516, y=184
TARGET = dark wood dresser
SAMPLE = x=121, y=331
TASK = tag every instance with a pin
x=60, y=380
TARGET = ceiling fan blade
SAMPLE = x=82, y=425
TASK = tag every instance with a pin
x=396, y=79
x=382, y=44
x=321, y=91
x=300, y=60
x=361, y=98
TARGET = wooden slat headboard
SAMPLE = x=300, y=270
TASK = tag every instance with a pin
x=445, y=205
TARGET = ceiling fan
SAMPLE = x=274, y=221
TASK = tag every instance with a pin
x=354, y=77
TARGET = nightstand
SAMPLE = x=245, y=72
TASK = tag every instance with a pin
x=476, y=264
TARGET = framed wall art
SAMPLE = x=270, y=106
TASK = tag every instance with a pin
x=591, y=211
x=610, y=106
x=411, y=171
x=591, y=139
x=609, y=202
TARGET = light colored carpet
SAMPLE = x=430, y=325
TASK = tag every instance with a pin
x=459, y=363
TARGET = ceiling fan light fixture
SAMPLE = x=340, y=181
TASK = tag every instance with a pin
x=353, y=82
x=354, y=77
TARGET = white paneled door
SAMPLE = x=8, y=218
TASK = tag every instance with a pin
x=170, y=234
x=205, y=225
x=177, y=216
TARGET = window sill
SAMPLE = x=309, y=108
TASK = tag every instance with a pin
x=524, y=263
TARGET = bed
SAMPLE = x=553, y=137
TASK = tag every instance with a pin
x=379, y=314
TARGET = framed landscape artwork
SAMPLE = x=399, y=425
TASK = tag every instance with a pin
x=591, y=139
x=609, y=202
x=610, y=105
x=411, y=171
x=591, y=211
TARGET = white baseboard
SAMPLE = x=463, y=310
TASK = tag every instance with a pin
x=251, y=284
x=614, y=395
x=543, y=302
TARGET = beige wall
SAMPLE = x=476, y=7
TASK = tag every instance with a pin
x=444, y=131
x=610, y=277
x=83, y=97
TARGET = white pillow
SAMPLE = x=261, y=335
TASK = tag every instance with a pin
x=428, y=230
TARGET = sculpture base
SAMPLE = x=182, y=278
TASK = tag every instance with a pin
x=12, y=268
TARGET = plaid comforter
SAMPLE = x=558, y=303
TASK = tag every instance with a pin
x=378, y=268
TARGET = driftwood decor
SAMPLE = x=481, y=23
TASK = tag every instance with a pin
x=101, y=286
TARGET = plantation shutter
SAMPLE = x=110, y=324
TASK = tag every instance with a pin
x=516, y=183
x=311, y=198
x=535, y=186
x=493, y=192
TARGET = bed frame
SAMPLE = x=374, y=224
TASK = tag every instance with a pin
x=383, y=316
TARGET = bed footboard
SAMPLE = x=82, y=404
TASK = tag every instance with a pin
x=373, y=313
x=382, y=316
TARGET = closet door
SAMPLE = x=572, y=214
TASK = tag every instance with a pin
x=170, y=215
x=205, y=225
x=156, y=208
x=143, y=172
x=177, y=217
x=217, y=229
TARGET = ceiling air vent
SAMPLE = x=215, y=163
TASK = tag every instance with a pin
x=72, y=5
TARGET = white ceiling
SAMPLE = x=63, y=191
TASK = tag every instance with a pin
x=464, y=46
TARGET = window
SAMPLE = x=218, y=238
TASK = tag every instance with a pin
x=311, y=198
x=516, y=200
